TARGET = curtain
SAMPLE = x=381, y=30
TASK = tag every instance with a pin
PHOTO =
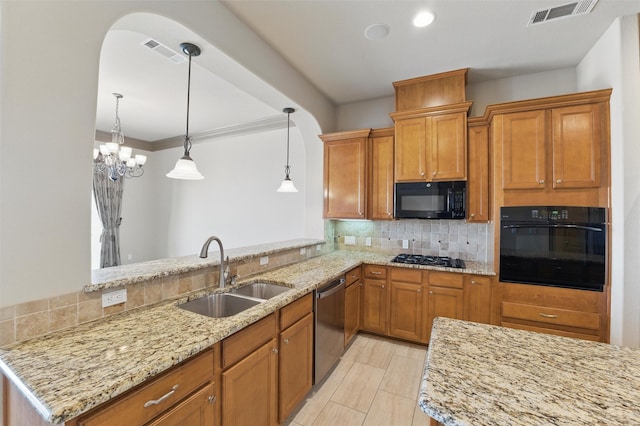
x=108, y=197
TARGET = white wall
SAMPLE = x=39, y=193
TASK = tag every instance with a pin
x=237, y=201
x=614, y=61
x=48, y=113
x=372, y=114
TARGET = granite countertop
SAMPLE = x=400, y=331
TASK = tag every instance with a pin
x=67, y=373
x=478, y=374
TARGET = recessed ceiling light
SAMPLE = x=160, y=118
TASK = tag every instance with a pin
x=423, y=19
x=376, y=31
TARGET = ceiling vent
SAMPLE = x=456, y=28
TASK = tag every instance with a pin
x=564, y=11
x=163, y=50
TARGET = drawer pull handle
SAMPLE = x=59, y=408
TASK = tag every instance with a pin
x=162, y=398
x=286, y=341
x=541, y=182
x=376, y=272
x=548, y=315
x=212, y=399
x=274, y=350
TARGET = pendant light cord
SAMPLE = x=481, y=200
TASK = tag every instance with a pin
x=187, y=139
x=287, y=166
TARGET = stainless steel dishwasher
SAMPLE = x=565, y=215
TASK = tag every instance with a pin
x=329, y=329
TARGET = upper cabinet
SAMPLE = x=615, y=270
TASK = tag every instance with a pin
x=358, y=174
x=478, y=172
x=550, y=144
x=431, y=128
x=345, y=177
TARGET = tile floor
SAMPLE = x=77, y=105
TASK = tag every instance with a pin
x=375, y=383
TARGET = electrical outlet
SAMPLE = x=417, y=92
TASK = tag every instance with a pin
x=405, y=244
x=303, y=251
x=349, y=240
x=318, y=247
x=264, y=260
x=114, y=297
x=367, y=241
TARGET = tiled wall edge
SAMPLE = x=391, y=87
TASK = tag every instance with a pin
x=35, y=318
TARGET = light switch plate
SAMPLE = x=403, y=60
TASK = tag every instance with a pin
x=264, y=260
x=303, y=251
x=367, y=241
x=349, y=240
x=114, y=297
x=405, y=244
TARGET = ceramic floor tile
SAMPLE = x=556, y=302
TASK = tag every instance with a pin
x=389, y=409
x=350, y=356
x=335, y=414
x=403, y=377
x=377, y=353
x=359, y=387
x=411, y=351
x=316, y=402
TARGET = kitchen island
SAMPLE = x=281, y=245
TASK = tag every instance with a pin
x=477, y=374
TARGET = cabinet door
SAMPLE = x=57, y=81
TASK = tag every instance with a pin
x=523, y=150
x=577, y=143
x=295, y=365
x=374, y=306
x=249, y=389
x=381, y=199
x=352, y=304
x=477, y=299
x=447, y=146
x=344, y=178
x=478, y=179
x=406, y=310
x=197, y=410
x=410, y=150
x=444, y=302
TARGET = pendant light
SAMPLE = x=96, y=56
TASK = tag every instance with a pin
x=287, y=184
x=185, y=167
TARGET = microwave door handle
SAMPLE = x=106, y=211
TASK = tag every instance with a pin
x=581, y=227
x=449, y=200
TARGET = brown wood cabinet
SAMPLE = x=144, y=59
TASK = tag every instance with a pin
x=352, y=304
x=477, y=298
x=406, y=304
x=478, y=175
x=375, y=299
x=431, y=143
x=295, y=360
x=380, y=200
x=250, y=375
x=345, y=174
x=165, y=398
x=194, y=411
x=445, y=298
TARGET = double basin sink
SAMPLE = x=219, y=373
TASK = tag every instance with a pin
x=221, y=305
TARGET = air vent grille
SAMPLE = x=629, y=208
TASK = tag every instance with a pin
x=563, y=11
x=163, y=50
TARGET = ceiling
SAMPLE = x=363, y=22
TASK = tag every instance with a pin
x=325, y=41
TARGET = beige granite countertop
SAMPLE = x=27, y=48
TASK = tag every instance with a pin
x=478, y=374
x=67, y=373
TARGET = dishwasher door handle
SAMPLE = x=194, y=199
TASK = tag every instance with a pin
x=332, y=288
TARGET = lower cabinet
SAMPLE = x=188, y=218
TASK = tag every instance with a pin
x=445, y=298
x=477, y=298
x=375, y=299
x=194, y=411
x=406, y=306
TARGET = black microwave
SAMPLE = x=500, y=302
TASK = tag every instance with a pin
x=430, y=200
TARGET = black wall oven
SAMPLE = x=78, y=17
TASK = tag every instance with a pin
x=555, y=246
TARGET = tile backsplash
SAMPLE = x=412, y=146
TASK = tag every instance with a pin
x=455, y=238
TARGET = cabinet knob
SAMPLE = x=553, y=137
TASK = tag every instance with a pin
x=382, y=285
x=286, y=341
x=430, y=291
x=360, y=284
x=541, y=182
x=212, y=399
x=433, y=174
x=419, y=290
x=274, y=350
x=559, y=181
x=473, y=282
x=421, y=173
x=472, y=215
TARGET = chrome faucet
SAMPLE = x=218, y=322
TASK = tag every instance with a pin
x=203, y=254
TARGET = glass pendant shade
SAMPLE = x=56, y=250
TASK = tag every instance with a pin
x=287, y=186
x=185, y=169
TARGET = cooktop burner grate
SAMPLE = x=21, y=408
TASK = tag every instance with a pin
x=418, y=259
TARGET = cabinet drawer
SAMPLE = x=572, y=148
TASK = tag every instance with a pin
x=592, y=337
x=566, y=317
x=446, y=279
x=159, y=395
x=296, y=310
x=353, y=276
x=406, y=275
x=244, y=342
x=375, y=271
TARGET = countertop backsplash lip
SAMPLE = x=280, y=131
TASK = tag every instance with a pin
x=118, y=276
x=64, y=374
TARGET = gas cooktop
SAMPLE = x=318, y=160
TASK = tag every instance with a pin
x=417, y=259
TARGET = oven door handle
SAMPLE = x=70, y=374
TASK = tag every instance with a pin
x=581, y=227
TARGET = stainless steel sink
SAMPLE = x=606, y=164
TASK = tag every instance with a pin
x=261, y=290
x=219, y=305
